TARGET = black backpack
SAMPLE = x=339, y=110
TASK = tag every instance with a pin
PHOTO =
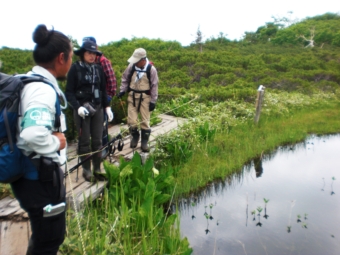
x=13, y=163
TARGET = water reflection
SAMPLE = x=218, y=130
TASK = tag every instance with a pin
x=291, y=209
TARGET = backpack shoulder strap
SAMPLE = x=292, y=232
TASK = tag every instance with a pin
x=148, y=73
x=133, y=69
x=77, y=64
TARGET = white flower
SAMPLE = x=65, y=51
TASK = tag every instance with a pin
x=155, y=171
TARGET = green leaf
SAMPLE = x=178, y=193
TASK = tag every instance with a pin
x=126, y=171
x=161, y=199
x=145, y=208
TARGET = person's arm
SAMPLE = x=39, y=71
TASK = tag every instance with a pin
x=154, y=85
x=125, y=83
x=39, y=100
x=105, y=102
x=111, y=81
x=71, y=87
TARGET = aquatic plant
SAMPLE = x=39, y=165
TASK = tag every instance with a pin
x=332, y=192
x=265, y=208
x=253, y=213
x=304, y=225
x=192, y=205
x=210, y=216
x=323, y=184
x=289, y=227
x=259, y=209
x=207, y=229
x=298, y=218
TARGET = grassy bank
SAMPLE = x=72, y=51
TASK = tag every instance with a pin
x=230, y=149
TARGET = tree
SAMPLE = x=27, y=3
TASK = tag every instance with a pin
x=74, y=42
x=199, y=39
x=285, y=21
x=310, y=40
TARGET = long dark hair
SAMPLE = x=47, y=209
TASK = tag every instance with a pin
x=49, y=44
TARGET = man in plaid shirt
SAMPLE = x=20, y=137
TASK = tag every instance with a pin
x=111, y=87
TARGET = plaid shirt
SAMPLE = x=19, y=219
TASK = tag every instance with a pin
x=111, y=82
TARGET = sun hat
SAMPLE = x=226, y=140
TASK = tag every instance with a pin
x=137, y=55
x=88, y=46
x=89, y=38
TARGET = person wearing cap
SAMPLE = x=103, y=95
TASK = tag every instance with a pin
x=86, y=92
x=140, y=80
x=111, y=87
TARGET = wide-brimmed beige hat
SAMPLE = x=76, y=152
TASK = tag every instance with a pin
x=137, y=55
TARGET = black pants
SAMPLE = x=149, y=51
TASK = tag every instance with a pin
x=90, y=131
x=47, y=232
x=105, y=138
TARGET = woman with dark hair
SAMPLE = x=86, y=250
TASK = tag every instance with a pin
x=86, y=92
x=41, y=128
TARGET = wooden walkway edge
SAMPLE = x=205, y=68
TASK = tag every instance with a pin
x=14, y=223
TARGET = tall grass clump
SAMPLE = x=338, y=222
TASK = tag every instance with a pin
x=131, y=216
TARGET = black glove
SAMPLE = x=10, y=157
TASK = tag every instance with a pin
x=121, y=94
x=152, y=107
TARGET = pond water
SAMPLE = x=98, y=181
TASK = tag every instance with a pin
x=301, y=214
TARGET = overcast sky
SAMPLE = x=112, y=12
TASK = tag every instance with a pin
x=175, y=20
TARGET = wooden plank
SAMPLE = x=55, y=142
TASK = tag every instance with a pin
x=85, y=191
x=11, y=208
x=14, y=237
x=4, y=203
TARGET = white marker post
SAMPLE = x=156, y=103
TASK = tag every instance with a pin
x=258, y=103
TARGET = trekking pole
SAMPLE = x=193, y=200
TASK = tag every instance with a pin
x=121, y=104
x=79, y=137
x=118, y=137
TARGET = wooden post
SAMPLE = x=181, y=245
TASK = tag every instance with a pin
x=258, y=103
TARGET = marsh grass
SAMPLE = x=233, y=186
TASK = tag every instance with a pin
x=229, y=150
x=130, y=217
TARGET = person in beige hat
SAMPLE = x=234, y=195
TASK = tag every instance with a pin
x=140, y=80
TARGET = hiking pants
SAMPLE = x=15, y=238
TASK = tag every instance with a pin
x=90, y=131
x=47, y=232
x=105, y=138
x=143, y=104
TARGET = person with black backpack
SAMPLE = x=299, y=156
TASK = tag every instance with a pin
x=111, y=87
x=140, y=80
x=41, y=191
x=86, y=92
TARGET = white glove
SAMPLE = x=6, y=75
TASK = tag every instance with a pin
x=83, y=112
x=109, y=114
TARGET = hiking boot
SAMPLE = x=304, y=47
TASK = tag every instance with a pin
x=96, y=161
x=135, y=137
x=145, y=139
x=87, y=173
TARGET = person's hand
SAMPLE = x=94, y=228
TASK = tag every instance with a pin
x=109, y=114
x=83, y=112
x=152, y=107
x=121, y=94
x=109, y=99
x=62, y=139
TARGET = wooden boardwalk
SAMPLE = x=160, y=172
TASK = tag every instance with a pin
x=14, y=223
